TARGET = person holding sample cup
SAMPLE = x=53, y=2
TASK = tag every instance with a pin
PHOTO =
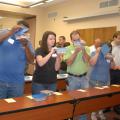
x=77, y=59
x=47, y=64
x=15, y=51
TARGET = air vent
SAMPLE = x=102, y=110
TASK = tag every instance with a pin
x=113, y=2
x=104, y=4
x=52, y=14
x=108, y=3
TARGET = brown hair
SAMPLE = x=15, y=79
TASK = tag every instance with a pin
x=44, y=45
x=116, y=34
x=63, y=37
x=22, y=22
x=74, y=32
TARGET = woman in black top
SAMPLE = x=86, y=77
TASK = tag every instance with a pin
x=47, y=64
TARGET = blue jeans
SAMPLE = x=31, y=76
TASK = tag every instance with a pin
x=78, y=83
x=97, y=83
x=36, y=88
x=10, y=90
x=82, y=117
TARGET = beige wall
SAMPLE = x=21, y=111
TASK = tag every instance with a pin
x=8, y=22
x=77, y=8
x=32, y=11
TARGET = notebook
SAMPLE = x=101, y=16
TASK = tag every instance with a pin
x=40, y=96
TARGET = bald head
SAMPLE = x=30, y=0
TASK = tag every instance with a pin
x=97, y=42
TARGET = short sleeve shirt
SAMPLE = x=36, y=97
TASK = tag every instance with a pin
x=79, y=66
x=45, y=74
x=12, y=60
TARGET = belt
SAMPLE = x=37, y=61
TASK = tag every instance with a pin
x=115, y=69
x=78, y=75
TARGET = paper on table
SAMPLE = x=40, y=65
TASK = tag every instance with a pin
x=30, y=97
x=10, y=100
x=99, y=88
x=105, y=87
x=57, y=93
x=81, y=90
x=116, y=85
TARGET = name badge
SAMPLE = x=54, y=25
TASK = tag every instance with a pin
x=11, y=41
x=54, y=55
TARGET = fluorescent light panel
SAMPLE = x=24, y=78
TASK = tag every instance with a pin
x=48, y=1
x=37, y=4
x=25, y=3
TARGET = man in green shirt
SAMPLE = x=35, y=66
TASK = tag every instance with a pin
x=77, y=59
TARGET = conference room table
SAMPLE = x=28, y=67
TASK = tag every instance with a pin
x=95, y=99
x=60, y=105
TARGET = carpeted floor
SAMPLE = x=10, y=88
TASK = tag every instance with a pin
x=111, y=115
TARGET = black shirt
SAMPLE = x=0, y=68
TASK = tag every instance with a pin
x=45, y=74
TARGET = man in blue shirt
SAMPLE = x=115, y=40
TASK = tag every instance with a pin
x=101, y=61
x=15, y=51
